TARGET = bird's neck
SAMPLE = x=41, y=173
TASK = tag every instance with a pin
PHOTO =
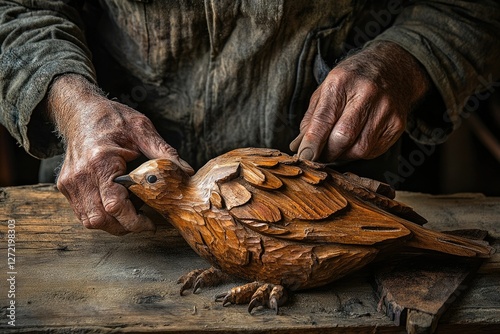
x=189, y=198
x=185, y=212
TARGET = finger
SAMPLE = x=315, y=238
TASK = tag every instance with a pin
x=306, y=120
x=322, y=120
x=119, y=207
x=152, y=145
x=97, y=218
x=115, y=198
x=347, y=129
x=372, y=145
x=367, y=146
x=93, y=215
x=88, y=208
x=382, y=129
x=294, y=145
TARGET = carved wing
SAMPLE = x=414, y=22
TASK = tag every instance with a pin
x=278, y=195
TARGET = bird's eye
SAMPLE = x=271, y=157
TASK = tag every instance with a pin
x=151, y=178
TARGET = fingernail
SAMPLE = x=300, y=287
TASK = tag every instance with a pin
x=306, y=154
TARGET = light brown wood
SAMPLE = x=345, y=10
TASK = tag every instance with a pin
x=71, y=279
x=302, y=227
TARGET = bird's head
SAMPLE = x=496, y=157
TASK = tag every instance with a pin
x=156, y=180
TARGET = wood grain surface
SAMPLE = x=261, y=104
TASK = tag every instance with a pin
x=71, y=279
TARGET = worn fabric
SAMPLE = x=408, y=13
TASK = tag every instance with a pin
x=216, y=75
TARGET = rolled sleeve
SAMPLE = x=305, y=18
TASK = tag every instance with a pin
x=39, y=41
x=457, y=42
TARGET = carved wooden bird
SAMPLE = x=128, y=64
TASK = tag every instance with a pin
x=284, y=223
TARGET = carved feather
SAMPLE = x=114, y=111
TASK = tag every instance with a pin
x=264, y=215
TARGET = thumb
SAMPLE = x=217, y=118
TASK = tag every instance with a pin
x=294, y=145
x=152, y=145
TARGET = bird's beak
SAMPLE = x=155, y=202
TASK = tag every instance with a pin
x=125, y=180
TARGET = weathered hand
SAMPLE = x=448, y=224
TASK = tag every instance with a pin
x=101, y=136
x=361, y=108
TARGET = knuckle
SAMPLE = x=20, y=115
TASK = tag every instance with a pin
x=330, y=88
x=325, y=114
x=96, y=155
x=113, y=207
x=343, y=136
x=339, y=75
x=72, y=181
x=62, y=176
x=167, y=150
x=101, y=164
x=368, y=87
x=135, y=227
x=398, y=124
x=360, y=150
x=94, y=221
x=394, y=129
x=76, y=181
x=61, y=182
x=312, y=137
x=141, y=122
x=171, y=151
x=385, y=103
x=353, y=154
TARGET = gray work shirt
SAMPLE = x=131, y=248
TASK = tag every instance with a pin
x=217, y=75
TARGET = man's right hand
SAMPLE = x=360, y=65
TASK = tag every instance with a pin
x=101, y=136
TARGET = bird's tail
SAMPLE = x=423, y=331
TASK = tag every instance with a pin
x=446, y=243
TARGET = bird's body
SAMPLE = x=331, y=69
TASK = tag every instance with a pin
x=266, y=216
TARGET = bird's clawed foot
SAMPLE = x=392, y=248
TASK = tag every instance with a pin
x=200, y=278
x=255, y=294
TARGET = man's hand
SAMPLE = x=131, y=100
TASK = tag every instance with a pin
x=101, y=136
x=361, y=108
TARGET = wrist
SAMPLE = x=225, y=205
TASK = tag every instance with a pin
x=68, y=101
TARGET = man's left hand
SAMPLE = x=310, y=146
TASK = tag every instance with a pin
x=361, y=108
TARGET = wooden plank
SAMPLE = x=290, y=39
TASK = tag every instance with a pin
x=417, y=290
x=72, y=279
x=476, y=309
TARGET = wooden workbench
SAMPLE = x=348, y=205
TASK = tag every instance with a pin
x=69, y=279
